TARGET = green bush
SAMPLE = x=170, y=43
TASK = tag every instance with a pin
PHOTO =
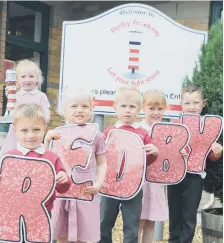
x=209, y=75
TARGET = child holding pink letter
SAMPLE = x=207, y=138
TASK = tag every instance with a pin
x=184, y=198
x=29, y=124
x=153, y=202
x=127, y=104
x=74, y=220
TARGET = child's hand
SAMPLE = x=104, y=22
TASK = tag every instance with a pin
x=217, y=150
x=61, y=177
x=184, y=153
x=52, y=134
x=151, y=149
x=95, y=188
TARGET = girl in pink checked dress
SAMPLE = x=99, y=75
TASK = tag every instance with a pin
x=74, y=220
x=29, y=79
x=153, y=202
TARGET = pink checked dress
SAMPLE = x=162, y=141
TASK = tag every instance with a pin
x=154, y=206
x=24, y=97
x=77, y=220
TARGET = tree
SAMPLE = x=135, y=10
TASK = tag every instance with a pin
x=209, y=75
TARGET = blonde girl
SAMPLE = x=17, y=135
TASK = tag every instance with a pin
x=73, y=220
x=153, y=203
x=29, y=79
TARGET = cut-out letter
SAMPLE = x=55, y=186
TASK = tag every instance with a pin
x=25, y=185
x=75, y=151
x=203, y=133
x=170, y=166
x=126, y=162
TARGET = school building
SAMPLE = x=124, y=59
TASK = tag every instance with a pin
x=33, y=30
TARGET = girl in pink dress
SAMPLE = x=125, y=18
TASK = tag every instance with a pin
x=29, y=79
x=153, y=202
x=74, y=220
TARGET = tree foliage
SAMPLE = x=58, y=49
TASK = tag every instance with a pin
x=209, y=75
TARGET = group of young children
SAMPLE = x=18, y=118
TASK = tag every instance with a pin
x=81, y=221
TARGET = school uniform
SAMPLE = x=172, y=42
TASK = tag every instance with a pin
x=131, y=209
x=42, y=153
x=24, y=97
x=154, y=206
x=77, y=220
x=183, y=202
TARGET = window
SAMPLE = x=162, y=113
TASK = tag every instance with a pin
x=24, y=22
x=27, y=32
x=216, y=11
x=15, y=53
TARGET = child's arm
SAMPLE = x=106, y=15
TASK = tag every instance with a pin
x=101, y=174
x=151, y=150
x=216, y=152
x=101, y=163
x=45, y=104
x=63, y=182
x=47, y=113
x=51, y=134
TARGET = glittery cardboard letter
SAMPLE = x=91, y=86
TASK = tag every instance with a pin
x=170, y=166
x=75, y=151
x=203, y=133
x=125, y=165
x=25, y=185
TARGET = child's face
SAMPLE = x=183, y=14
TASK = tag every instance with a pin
x=78, y=111
x=154, y=113
x=27, y=78
x=192, y=102
x=127, y=109
x=30, y=132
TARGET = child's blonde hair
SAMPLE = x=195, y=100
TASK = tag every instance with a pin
x=154, y=98
x=28, y=63
x=30, y=111
x=127, y=92
x=69, y=95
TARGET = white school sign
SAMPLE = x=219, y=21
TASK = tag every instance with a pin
x=130, y=45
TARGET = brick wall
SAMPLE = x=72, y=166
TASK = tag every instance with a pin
x=194, y=15
x=54, y=72
x=60, y=11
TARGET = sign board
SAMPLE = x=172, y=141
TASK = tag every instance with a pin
x=130, y=45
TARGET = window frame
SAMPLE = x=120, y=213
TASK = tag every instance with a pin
x=215, y=7
x=42, y=46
